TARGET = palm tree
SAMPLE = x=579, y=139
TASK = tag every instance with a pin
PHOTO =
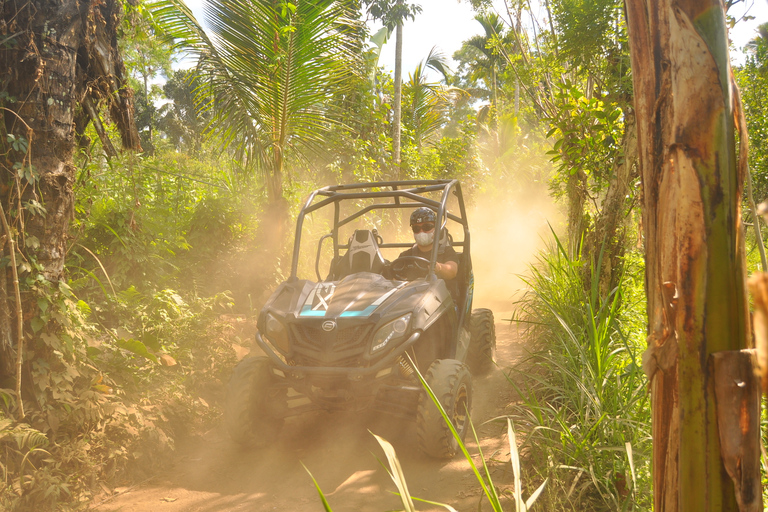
x=393, y=13
x=487, y=65
x=430, y=100
x=267, y=74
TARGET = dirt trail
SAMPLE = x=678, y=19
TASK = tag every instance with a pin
x=214, y=475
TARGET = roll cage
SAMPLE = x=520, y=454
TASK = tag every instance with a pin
x=403, y=195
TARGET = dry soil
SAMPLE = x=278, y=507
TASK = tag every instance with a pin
x=212, y=474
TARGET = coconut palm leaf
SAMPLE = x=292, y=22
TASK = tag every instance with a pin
x=268, y=71
x=430, y=100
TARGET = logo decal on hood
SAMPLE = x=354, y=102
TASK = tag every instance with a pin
x=370, y=309
x=318, y=300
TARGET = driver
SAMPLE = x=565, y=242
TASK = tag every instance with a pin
x=447, y=265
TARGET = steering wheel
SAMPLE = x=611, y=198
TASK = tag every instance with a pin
x=408, y=268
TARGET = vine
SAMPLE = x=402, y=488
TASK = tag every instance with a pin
x=23, y=169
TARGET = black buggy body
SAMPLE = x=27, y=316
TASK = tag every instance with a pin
x=351, y=341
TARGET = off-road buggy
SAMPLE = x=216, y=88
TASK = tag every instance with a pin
x=350, y=341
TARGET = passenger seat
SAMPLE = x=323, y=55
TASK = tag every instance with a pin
x=363, y=255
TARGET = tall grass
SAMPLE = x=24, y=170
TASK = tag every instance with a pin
x=484, y=478
x=585, y=411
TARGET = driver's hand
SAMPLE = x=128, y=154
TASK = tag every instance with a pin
x=446, y=270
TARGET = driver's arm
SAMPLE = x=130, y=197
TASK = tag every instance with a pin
x=447, y=270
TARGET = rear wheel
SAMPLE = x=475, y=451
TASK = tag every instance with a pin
x=252, y=408
x=481, y=356
x=451, y=383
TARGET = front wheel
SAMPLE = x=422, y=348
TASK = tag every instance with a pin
x=481, y=355
x=451, y=383
x=252, y=408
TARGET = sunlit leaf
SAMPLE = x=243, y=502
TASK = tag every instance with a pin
x=136, y=347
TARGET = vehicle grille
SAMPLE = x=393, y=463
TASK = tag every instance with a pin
x=348, y=362
x=339, y=339
x=341, y=348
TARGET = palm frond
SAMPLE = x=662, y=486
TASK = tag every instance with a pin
x=268, y=71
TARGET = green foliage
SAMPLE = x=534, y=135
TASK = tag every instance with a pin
x=267, y=74
x=427, y=103
x=752, y=79
x=117, y=358
x=361, y=142
x=585, y=410
x=180, y=120
x=109, y=402
x=392, y=12
x=592, y=35
x=448, y=158
x=588, y=134
x=23, y=449
x=148, y=54
x=481, y=61
x=159, y=222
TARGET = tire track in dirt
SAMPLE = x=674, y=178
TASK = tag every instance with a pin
x=212, y=474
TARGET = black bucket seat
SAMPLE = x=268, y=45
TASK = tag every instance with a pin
x=363, y=255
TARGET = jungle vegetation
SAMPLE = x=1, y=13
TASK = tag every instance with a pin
x=147, y=163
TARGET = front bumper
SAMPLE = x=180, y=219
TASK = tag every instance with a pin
x=342, y=388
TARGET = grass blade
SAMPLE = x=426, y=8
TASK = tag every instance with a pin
x=533, y=497
x=515, y=459
x=490, y=494
x=631, y=458
x=326, y=506
x=494, y=498
x=397, y=473
x=447, y=507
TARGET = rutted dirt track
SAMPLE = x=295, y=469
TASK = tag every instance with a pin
x=213, y=474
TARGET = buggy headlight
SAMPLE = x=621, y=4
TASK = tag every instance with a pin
x=393, y=331
x=277, y=334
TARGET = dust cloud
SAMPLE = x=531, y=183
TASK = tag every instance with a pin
x=211, y=473
x=509, y=223
x=507, y=231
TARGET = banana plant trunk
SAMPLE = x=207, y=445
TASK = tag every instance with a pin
x=685, y=104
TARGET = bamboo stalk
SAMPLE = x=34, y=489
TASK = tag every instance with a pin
x=19, y=316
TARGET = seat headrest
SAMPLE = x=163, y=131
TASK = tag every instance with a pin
x=363, y=254
x=445, y=240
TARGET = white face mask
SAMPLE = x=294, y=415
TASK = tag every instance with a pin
x=423, y=238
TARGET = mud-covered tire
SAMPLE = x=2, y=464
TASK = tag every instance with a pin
x=481, y=356
x=451, y=383
x=251, y=410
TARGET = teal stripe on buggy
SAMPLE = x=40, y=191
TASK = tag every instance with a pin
x=366, y=312
x=307, y=311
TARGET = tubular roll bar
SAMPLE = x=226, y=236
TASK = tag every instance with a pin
x=411, y=191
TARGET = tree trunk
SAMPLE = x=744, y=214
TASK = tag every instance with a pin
x=576, y=195
x=149, y=106
x=398, y=99
x=59, y=51
x=608, y=237
x=695, y=264
x=47, y=49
